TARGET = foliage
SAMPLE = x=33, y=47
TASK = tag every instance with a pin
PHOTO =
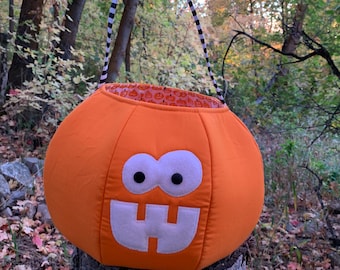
x=175, y=61
x=57, y=87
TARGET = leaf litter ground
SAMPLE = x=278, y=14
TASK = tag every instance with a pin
x=292, y=237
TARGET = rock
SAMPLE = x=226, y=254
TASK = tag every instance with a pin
x=44, y=214
x=4, y=187
x=15, y=196
x=3, y=204
x=30, y=210
x=35, y=165
x=236, y=261
x=18, y=171
x=240, y=264
x=7, y=212
x=334, y=208
x=335, y=259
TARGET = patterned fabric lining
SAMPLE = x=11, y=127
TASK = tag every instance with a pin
x=163, y=95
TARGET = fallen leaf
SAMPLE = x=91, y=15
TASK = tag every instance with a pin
x=3, y=221
x=7, y=267
x=295, y=222
x=294, y=266
x=3, y=236
x=27, y=225
x=27, y=230
x=22, y=267
x=11, y=123
x=37, y=241
x=13, y=184
x=4, y=117
x=45, y=263
x=14, y=227
x=52, y=256
x=26, y=256
x=3, y=252
x=308, y=216
x=14, y=92
x=2, y=149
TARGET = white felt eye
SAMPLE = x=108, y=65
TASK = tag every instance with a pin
x=139, y=173
x=180, y=171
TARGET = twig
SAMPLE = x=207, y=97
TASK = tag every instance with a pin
x=223, y=66
x=237, y=22
x=328, y=124
x=317, y=190
x=321, y=51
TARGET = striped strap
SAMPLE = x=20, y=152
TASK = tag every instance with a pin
x=110, y=21
x=219, y=92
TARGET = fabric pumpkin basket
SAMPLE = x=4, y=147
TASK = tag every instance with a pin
x=154, y=177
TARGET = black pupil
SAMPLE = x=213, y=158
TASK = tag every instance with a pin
x=139, y=177
x=176, y=178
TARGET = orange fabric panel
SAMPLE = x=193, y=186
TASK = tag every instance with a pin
x=238, y=186
x=158, y=133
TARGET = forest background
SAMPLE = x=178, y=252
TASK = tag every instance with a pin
x=277, y=60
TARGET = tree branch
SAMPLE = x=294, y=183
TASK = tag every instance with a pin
x=302, y=58
x=321, y=51
x=225, y=90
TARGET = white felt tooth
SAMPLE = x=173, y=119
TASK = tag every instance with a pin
x=128, y=231
x=176, y=237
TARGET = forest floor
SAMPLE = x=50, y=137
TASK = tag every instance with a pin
x=297, y=235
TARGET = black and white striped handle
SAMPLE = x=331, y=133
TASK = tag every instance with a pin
x=110, y=21
x=219, y=92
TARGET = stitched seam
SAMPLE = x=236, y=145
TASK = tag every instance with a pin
x=211, y=191
x=107, y=174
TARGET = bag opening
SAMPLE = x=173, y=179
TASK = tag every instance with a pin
x=163, y=95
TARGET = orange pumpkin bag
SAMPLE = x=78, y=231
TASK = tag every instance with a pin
x=154, y=177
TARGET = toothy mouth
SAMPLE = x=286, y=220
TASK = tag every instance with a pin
x=134, y=234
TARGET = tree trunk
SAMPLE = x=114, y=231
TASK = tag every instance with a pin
x=294, y=35
x=291, y=41
x=26, y=38
x=128, y=61
x=122, y=40
x=11, y=16
x=72, y=19
x=236, y=261
x=3, y=67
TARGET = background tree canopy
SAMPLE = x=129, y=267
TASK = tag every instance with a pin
x=277, y=60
